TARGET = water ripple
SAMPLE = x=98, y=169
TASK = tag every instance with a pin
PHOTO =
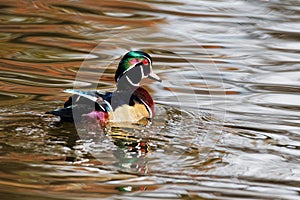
x=227, y=111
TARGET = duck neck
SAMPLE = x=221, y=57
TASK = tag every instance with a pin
x=127, y=87
x=123, y=95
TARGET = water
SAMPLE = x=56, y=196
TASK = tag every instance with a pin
x=227, y=122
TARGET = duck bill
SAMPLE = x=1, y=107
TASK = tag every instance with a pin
x=153, y=76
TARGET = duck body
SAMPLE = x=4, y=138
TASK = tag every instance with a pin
x=128, y=103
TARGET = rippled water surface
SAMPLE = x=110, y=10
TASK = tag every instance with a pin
x=227, y=121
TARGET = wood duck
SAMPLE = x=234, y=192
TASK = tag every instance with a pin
x=128, y=103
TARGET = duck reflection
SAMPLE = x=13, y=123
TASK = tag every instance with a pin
x=132, y=151
x=122, y=147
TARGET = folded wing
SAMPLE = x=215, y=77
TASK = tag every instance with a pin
x=82, y=103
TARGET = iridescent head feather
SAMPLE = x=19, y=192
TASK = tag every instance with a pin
x=129, y=61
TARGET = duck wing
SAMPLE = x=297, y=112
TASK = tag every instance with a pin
x=83, y=102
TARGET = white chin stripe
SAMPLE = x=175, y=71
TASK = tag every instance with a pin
x=142, y=77
x=131, y=83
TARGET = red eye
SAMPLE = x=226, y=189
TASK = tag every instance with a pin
x=145, y=62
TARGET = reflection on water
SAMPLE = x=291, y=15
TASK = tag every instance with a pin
x=227, y=122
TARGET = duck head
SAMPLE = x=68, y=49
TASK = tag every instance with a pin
x=133, y=68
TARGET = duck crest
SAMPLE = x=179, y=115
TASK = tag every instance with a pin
x=129, y=103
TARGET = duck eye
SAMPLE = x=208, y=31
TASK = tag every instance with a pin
x=145, y=62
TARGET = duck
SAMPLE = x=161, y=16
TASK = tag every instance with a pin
x=130, y=102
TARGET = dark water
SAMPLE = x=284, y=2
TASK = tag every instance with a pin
x=227, y=122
